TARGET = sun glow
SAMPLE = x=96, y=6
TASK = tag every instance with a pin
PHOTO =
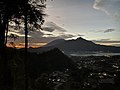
x=22, y=45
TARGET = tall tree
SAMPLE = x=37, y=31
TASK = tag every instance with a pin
x=28, y=10
x=16, y=10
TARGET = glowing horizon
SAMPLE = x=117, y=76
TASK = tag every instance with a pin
x=22, y=45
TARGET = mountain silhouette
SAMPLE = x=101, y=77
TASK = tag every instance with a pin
x=78, y=45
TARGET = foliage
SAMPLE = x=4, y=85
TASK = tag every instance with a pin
x=15, y=11
x=19, y=11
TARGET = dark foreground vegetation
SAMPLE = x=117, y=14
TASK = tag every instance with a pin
x=53, y=70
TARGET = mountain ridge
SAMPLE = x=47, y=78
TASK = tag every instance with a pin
x=78, y=45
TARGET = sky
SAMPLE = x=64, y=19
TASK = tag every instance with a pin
x=96, y=20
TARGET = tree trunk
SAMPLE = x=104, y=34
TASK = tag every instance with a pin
x=2, y=36
x=5, y=72
x=26, y=46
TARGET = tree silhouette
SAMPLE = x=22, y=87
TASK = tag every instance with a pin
x=16, y=11
x=28, y=11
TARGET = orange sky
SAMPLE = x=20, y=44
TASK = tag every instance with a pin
x=22, y=45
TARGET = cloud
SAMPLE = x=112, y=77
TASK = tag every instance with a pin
x=108, y=40
x=79, y=35
x=103, y=31
x=53, y=30
x=117, y=45
x=49, y=29
x=109, y=30
x=66, y=36
x=105, y=41
x=53, y=27
x=21, y=33
x=48, y=34
x=100, y=5
x=35, y=40
x=69, y=36
x=110, y=7
x=36, y=34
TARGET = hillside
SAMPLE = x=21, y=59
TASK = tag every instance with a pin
x=53, y=60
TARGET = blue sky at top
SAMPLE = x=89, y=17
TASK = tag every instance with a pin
x=80, y=16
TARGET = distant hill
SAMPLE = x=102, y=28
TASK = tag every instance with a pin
x=53, y=60
x=78, y=45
